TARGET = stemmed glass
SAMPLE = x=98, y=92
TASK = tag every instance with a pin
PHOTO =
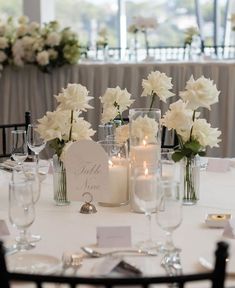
x=21, y=210
x=145, y=196
x=19, y=148
x=169, y=212
x=34, y=141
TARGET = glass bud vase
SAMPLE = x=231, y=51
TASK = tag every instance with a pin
x=59, y=182
x=191, y=179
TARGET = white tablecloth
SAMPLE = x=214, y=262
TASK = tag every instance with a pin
x=65, y=229
x=30, y=89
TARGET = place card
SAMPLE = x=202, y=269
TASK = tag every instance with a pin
x=3, y=228
x=113, y=236
x=218, y=165
x=229, y=229
x=86, y=166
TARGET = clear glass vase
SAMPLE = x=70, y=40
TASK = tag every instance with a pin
x=191, y=179
x=59, y=182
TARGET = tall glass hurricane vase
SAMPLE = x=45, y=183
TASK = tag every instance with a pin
x=59, y=182
x=191, y=180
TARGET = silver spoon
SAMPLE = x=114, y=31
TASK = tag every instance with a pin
x=93, y=253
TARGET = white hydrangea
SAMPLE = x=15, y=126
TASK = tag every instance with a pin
x=200, y=93
x=53, y=39
x=82, y=130
x=23, y=20
x=159, y=84
x=109, y=114
x=144, y=128
x=205, y=134
x=21, y=30
x=43, y=58
x=74, y=97
x=33, y=27
x=53, y=54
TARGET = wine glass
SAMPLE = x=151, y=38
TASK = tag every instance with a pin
x=19, y=148
x=34, y=141
x=145, y=197
x=169, y=212
x=21, y=210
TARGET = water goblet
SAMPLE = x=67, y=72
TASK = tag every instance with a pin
x=169, y=212
x=19, y=148
x=34, y=141
x=21, y=211
x=144, y=191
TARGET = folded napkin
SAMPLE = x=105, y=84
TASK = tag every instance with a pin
x=229, y=229
x=8, y=164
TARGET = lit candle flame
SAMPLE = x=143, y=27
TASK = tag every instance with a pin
x=144, y=142
x=144, y=164
x=119, y=155
x=110, y=163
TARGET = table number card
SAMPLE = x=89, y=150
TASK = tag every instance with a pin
x=86, y=166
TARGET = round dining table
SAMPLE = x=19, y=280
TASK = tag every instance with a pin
x=65, y=229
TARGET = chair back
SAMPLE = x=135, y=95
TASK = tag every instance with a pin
x=216, y=276
x=5, y=130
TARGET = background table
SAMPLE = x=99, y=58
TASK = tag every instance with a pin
x=27, y=88
x=65, y=229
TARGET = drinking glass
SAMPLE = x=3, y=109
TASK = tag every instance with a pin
x=169, y=211
x=144, y=192
x=34, y=141
x=21, y=210
x=19, y=148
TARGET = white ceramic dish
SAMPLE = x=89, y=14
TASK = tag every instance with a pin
x=33, y=263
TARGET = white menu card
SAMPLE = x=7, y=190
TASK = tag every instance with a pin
x=86, y=166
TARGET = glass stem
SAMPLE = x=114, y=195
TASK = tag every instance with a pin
x=23, y=236
x=148, y=215
x=169, y=241
x=37, y=161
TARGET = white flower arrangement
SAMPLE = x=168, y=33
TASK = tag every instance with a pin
x=114, y=101
x=189, y=33
x=47, y=47
x=64, y=125
x=194, y=134
x=157, y=84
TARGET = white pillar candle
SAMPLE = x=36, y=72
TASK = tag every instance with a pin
x=118, y=182
x=149, y=153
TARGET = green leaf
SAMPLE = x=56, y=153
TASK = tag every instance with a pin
x=202, y=153
x=193, y=145
x=177, y=156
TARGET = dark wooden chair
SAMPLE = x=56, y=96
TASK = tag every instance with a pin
x=216, y=276
x=169, y=139
x=5, y=130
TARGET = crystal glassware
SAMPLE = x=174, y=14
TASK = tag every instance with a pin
x=21, y=210
x=169, y=211
x=144, y=194
x=19, y=146
x=34, y=141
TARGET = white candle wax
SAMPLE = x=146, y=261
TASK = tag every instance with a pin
x=145, y=153
x=118, y=184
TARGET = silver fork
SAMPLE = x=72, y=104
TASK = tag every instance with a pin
x=76, y=262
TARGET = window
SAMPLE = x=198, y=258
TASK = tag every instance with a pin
x=12, y=8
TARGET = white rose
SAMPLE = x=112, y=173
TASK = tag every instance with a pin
x=42, y=58
x=54, y=125
x=144, y=128
x=18, y=52
x=122, y=133
x=74, y=97
x=205, y=134
x=82, y=130
x=33, y=27
x=38, y=44
x=200, y=93
x=109, y=114
x=3, y=43
x=178, y=117
x=3, y=56
x=27, y=41
x=53, y=39
x=159, y=84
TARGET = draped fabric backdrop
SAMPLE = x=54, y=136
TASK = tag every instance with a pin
x=28, y=89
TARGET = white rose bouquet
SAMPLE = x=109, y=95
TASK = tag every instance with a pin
x=194, y=134
x=65, y=125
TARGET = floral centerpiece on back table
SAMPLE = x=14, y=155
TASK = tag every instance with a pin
x=194, y=134
x=62, y=127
